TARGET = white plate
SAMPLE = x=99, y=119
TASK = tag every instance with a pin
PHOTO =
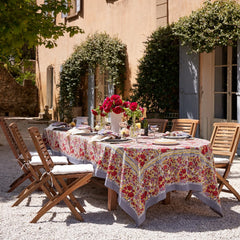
x=86, y=134
x=177, y=137
x=117, y=140
x=165, y=142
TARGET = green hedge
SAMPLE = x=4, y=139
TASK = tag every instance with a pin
x=157, y=79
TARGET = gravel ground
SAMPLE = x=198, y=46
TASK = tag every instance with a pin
x=179, y=220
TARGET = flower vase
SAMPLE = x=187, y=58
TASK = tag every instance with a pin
x=115, y=121
x=133, y=131
x=133, y=128
x=102, y=123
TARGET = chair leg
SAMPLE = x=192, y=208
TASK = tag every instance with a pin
x=19, y=181
x=189, y=195
x=63, y=196
x=71, y=196
x=30, y=189
x=226, y=183
x=223, y=176
x=53, y=202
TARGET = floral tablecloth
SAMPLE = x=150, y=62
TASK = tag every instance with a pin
x=142, y=173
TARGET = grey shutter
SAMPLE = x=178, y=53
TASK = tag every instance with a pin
x=91, y=97
x=188, y=84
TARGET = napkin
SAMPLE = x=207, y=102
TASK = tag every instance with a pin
x=99, y=138
x=57, y=125
x=176, y=134
x=104, y=135
x=79, y=130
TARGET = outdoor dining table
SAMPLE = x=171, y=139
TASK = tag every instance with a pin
x=142, y=173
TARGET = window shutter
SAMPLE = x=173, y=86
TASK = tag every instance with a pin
x=63, y=15
x=78, y=6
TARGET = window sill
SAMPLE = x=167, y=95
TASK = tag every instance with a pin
x=73, y=16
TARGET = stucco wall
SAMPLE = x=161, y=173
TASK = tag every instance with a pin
x=180, y=8
x=130, y=20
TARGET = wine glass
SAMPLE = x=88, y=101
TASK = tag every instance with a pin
x=154, y=129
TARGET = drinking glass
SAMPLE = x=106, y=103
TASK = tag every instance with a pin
x=154, y=129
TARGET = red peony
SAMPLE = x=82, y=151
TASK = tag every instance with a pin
x=126, y=104
x=115, y=97
x=117, y=110
x=103, y=114
x=118, y=102
x=107, y=105
x=141, y=109
x=133, y=106
x=94, y=112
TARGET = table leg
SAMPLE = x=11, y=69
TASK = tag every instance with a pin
x=112, y=200
x=167, y=199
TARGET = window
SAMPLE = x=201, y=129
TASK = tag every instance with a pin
x=225, y=86
x=50, y=13
x=74, y=10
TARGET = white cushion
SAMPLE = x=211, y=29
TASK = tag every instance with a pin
x=36, y=160
x=36, y=153
x=221, y=160
x=68, y=169
x=61, y=160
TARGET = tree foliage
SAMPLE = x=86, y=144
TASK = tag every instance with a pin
x=99, y=49
x=215, y=24
x=24, y=23
x=157, y=78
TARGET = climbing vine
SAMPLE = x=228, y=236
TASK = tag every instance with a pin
x=157, y=78
x=215, y=24
x=99, y=50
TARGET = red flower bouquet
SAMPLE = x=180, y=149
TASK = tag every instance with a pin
x=110, y=104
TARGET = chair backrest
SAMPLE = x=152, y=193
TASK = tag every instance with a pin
x=225, y=139
x=11, y=141
x=41, y=148
x=162, y=123
x=20, y=142
x=186, y=125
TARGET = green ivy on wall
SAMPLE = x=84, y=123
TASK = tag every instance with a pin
x=157, y=78
x=99, y=50
x=215, y=24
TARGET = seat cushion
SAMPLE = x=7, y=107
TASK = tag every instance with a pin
x=71, y=169
x=221, y=160
x=61, y=160
x=36, y=153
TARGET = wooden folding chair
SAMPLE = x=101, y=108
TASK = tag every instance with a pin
x=34, y=171
x=34, y=165
x=224, y=142
x=162, y=123
x=16, y=152
x=82, y=174
x=186, y=125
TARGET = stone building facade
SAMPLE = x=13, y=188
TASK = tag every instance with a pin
x=17, y=100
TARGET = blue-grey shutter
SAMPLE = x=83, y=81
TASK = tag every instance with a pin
x=91, y=97
x=188, y=84
x=63, y=15
x=78, y=6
